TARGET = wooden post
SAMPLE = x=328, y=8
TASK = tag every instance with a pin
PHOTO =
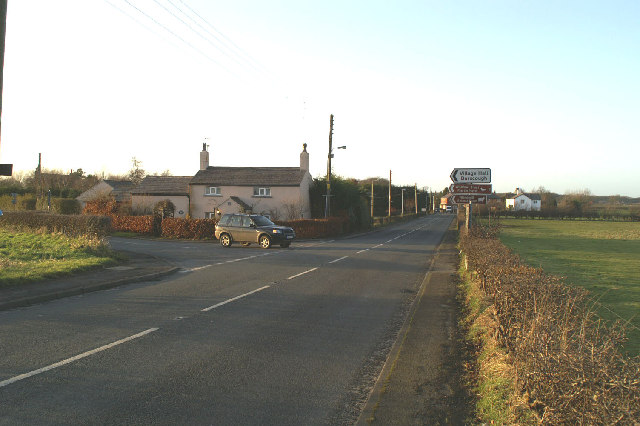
x=389, y=193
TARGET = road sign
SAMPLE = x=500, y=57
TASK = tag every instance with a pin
x=6, y=169
x=471, y=176
x=470, y=188
x=469, y=198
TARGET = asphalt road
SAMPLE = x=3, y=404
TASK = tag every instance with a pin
x=238, y=336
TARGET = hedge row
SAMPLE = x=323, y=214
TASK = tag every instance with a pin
x=71, y=225
x=188, y=228
x=633, y=215
x=568, y=361
x=58, y=205
x=318, y=228
x=137, y=224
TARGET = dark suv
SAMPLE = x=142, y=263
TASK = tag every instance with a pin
x=247, y=229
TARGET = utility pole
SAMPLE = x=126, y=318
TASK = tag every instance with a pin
x=415, y=195
x=327, y=206
x=5, y=169
x=389, y=193
x=371, y=199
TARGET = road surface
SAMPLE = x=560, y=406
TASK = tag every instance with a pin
x=238, y=336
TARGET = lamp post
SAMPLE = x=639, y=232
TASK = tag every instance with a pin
x=327, y=206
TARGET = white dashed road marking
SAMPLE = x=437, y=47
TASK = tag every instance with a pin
x=75, y=358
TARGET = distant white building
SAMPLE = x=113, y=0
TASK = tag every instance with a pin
x=522, y=201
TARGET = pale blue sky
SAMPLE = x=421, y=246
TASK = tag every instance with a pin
x=544, y=93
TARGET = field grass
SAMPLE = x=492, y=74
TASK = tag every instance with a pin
x=27, y=257
x=603, y=257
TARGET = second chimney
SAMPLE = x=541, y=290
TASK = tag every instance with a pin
x=204, y=157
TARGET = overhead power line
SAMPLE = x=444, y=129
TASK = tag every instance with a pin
x=239, y=49
x=222, y=46
x=155, y=21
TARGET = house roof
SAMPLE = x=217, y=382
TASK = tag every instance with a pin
x=241, y=203
x=120, y=190
x=249, y=176
x=528, y=195
x=163, y=185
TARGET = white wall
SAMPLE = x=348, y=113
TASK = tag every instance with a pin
x=297, y=198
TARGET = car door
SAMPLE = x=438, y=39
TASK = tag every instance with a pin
x=235, y=227
x=246, y=231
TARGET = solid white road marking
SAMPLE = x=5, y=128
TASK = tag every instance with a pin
x=338, y=260
x=233, y=299
x=75, y=358
x=301, y=273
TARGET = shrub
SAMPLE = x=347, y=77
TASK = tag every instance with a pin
x=195, y=229
x=101, y=206
x=29, y=203
x=65, y=206
x=70, y=225
x=164, y=208
x=137, y=224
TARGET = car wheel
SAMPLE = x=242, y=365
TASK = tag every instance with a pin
x=264, y=241
x=285, y=245
x=225, y=240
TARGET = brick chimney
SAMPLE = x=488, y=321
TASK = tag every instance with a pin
x=304, y=158
x=204, y=157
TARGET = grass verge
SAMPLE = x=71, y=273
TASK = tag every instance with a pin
x=30, y=256
x=490, y=374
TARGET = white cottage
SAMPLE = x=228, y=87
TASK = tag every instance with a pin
x=278, y=192
x=522, y=201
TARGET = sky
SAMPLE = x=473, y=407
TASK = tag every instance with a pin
x=544, y=93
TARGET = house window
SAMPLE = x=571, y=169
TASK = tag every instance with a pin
x=261, y=192
x=212, y=190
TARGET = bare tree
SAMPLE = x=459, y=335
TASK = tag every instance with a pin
x=292, y=210
x=137, y=173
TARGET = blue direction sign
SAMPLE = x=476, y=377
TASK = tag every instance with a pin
x=471, y=176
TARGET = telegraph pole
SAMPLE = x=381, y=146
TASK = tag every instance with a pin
x=371, y=199
x=389, y=193
x=415, y=192
x=5, y=169
x=327, y=206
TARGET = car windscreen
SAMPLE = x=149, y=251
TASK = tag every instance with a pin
x=261, y=221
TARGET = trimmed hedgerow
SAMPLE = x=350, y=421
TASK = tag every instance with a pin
x=195, y=229
x=137, y=224
x=567, y=361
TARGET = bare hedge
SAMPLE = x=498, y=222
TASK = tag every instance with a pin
x=568, y=361
x=71, y=225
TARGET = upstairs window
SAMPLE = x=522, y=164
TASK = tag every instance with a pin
x=261, y=192
x=212, y=190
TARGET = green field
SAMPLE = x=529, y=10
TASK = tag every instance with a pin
x=27, y=257
x=603, y=257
